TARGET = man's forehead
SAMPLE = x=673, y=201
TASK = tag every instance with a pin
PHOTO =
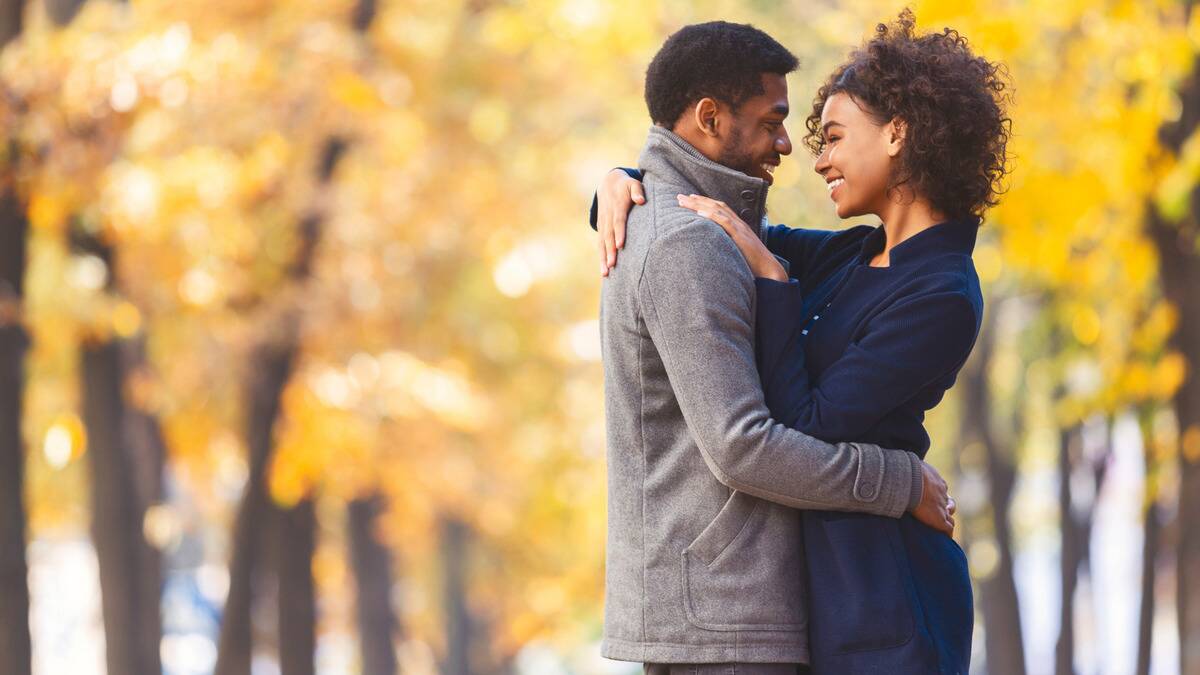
x=774, y=99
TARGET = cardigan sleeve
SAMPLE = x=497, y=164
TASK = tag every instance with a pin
x=796, y=245
x=903, y=349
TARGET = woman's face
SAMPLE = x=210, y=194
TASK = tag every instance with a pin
x=856, y=161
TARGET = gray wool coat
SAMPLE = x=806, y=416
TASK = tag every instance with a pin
x=704, y=558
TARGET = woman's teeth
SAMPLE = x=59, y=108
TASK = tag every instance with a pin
x=834, y=183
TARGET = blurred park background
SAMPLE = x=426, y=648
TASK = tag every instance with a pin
x=299, y=361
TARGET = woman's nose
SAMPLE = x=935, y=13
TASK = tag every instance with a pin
x=821, y=164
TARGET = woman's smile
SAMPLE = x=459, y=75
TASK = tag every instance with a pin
x=833, y=186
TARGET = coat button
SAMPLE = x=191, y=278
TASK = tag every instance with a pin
x=745, y=214
x=748, y=195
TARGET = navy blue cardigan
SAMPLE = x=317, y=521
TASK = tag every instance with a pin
x=885, y=343
x=850, y=352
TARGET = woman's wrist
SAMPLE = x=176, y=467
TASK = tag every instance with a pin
x=765, y=265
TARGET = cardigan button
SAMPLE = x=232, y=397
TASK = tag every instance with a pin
x=748, y=195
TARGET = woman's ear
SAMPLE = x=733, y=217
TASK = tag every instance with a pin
x=706, y=116
x=896, y=132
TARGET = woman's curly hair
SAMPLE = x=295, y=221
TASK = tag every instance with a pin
x=952, y=103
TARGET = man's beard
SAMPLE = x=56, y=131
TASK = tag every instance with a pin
x=735, y=155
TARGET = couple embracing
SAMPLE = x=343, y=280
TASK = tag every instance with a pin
x=769, y=509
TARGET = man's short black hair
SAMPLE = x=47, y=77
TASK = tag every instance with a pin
x=719, y=60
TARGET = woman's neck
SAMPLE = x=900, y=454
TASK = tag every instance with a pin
x=901, y=220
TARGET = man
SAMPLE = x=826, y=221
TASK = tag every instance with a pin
x=704, y=559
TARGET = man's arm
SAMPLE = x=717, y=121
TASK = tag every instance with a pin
x=698, y=299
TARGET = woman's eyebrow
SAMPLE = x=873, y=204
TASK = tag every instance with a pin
x=831, y=123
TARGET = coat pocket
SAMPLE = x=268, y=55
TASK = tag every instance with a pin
x=745, y=569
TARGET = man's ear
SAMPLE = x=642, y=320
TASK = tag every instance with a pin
x=897, y=131
x=706, y=118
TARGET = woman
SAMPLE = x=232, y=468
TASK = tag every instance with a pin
x=875, y=323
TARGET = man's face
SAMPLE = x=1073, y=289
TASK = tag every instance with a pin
x=757, y=138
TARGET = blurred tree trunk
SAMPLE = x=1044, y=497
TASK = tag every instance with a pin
x=15, y=654
x=272, y=369
x=276, y=356
x=1076, y=528
x=15, y=646
x=130, y=568
x=455, y=540
x=1179, y=269
x=125, y=455
x=297, y=595
x=126, y=458
x=1151, y=529
x=12, y=14
x=61, y=12
x=372, y=564
x=1179, y=262
x=1070, y=443
x=1004, y=644
x=273, y=360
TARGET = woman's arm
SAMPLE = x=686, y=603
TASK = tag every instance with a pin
x=905, y=347
x=618, y=192
x=762, y=262
x=798, y=246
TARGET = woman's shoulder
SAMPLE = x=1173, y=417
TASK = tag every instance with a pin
x=948, y=273
x=818, y=237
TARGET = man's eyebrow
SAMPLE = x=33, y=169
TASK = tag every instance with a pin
x=831, y=123
x=780, y=109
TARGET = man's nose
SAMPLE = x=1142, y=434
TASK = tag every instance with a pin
x=783, y=144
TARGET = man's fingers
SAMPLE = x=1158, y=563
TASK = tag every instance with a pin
x=951, y=505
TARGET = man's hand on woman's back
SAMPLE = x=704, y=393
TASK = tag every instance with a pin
x=936, y=508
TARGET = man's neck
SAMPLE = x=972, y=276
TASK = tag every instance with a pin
x=671, y=158
x=702, y=142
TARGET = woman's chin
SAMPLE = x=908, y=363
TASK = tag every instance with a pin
x=844, y=210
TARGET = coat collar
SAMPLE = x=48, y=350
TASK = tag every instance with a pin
x=956, y=235
x=667, y=157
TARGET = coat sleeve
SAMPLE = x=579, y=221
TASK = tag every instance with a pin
x=903, y=349
x=697, y=297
